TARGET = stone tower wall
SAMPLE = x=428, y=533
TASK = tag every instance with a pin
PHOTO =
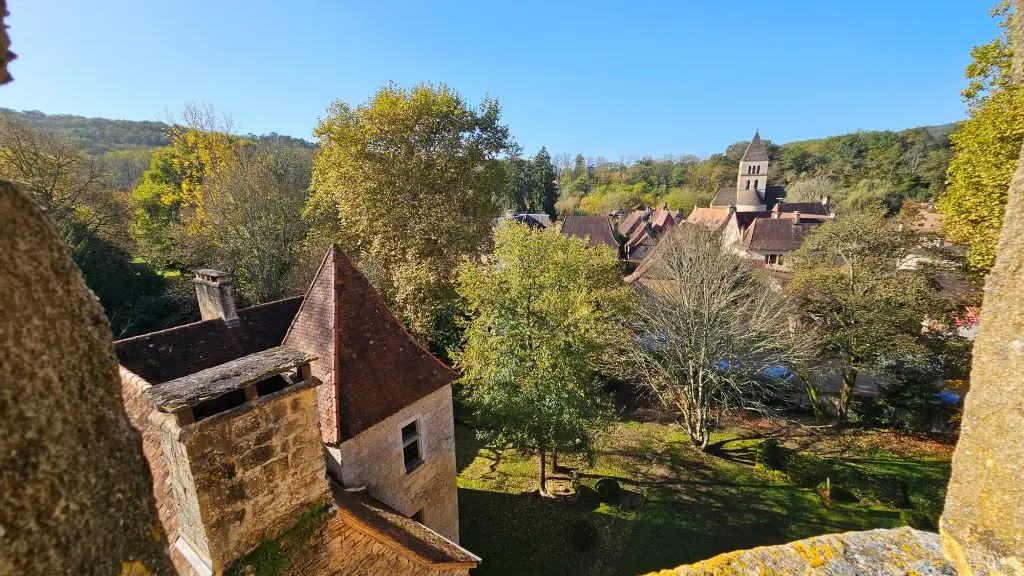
x=248, y=473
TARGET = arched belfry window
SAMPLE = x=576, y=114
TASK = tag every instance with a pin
x=748, y=184
x=755, y=184
x=758, y=169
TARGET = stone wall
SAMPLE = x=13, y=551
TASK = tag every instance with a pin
x=138, y=409
x=342, y=549
x=983, y=521
x=374, y=459
x=248, y=473
x=75, y=492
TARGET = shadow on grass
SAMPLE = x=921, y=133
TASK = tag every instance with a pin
x=743, y=453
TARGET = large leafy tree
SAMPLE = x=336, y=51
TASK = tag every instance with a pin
x=986, y=146
x=710, y=335
x=544, y=310
x=412, y=179
x=852, y=282
x=170, y=220
x=986, y=149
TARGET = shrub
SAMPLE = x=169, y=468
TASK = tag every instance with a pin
x=807, y=470
x=584, y=534
x=917, y=519
x=770, y=455
x=608, y=489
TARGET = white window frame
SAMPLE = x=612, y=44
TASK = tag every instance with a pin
x=418, y=439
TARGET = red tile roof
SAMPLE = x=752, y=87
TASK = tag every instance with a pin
x=661, y=219
x=628, y=225
x=175, y=352
x=374, y=367
x=369, y=515
x=713, y=218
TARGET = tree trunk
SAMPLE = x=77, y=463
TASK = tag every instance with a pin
x=812, y=395
x=846, y=394
x=543, y=473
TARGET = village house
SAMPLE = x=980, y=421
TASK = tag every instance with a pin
x=596, y=230
x=641, y=229
x=251, y=417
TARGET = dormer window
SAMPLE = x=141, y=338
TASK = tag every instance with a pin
x=412, y=453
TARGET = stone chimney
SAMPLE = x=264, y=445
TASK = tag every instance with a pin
x=826, y=201
x=796, y=217
x=216, y=299
x=244, y=455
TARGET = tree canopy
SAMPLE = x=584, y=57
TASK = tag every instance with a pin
x=543, y=311
x=411, y=180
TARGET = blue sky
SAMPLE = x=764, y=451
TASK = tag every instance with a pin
x=612, y=79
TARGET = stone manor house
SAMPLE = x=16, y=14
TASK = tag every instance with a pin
x=251, y=418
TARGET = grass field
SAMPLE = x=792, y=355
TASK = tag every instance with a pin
x=694, y=505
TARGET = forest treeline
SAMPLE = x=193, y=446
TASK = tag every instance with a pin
x=854, y=169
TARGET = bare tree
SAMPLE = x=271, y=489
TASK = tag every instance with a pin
x=255, y=218
x=710, y=334
x=72, y=187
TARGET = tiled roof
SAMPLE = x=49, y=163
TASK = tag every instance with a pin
x=627, y=227
x=773, y=235
x=596, y=230
x=816, y=208
x=369, y=515
x=641, y=236
x=745, y=219
x=377, y=367
x=713, y=218
x=175, y=352
x=725, y=197
x=755, y=150
x=661, y=219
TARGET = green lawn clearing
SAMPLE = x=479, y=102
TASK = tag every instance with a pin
x=681, y=505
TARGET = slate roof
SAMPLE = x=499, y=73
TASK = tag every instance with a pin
x=369, y=515
x=725, y=197
x=596, y=230
x=755, y=150
x=773, y=194
x=175, y=352
x=773, y=235
x=745, y=219
x=815, y=208
x=376, y=367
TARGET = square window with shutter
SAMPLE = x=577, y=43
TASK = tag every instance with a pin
x=411, y=451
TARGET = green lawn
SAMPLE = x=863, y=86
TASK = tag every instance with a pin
x=693, y=505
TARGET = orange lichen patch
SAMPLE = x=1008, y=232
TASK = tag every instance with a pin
x=134, y=568
x=899, y=552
